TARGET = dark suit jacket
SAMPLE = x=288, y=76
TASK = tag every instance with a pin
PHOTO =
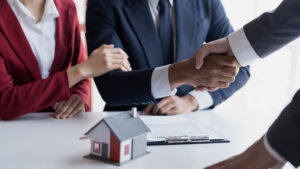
x=22, y=89
x=267, y=33
x=128, y=24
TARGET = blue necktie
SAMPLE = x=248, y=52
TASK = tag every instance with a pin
x=165, y=31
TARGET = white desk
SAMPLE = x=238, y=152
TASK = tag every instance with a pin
x=37, y=141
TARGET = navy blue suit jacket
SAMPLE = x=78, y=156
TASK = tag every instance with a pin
x=128, y=24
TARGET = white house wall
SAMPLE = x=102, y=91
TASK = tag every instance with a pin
x=124, y=158
x=100, y=134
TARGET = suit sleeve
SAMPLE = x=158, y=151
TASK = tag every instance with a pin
x=272, y=30
x=81, y=89
x=267, y=33
x=20, y=100
x=284, y=136
x=116, y=88
x=220, y=27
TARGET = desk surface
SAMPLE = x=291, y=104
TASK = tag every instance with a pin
x=38, y=141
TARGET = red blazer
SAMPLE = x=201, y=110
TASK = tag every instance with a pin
x=22, y=89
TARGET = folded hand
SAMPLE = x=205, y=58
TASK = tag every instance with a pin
x=172, y=105
x=68, y=108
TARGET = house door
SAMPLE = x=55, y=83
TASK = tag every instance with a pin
x=105, y=150
x=139, y=145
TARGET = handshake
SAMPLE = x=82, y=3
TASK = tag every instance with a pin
x=216, y=66
x=212, y=67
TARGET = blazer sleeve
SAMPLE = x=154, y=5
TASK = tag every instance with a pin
x=81, y=89
x=116, y=88
x=220, y=27
x=19, y=100
x=272, y=30
x=284, y=135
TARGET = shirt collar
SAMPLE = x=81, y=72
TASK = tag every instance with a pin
x=50, y=11
x=154, y=3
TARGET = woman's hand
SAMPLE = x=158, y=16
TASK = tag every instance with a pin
x=101, y=61
x=69, y=108
x=105, y=59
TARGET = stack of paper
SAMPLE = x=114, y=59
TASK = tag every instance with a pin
x=178, y=129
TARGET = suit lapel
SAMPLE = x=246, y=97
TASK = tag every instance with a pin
x=60, y=63
x=139, y=15
x=185, y=15
x=13, y=32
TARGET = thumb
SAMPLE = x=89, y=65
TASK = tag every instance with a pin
x=200, y=55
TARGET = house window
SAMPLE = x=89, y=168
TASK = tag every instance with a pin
x=127, y=149
x=96, y=147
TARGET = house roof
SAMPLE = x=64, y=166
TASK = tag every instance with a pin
x=124, y=126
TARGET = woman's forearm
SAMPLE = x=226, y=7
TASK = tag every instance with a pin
x=75, y=75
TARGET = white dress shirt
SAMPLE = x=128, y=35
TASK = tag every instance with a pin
x=242, y=48
x=160, y=85
x=41, y=35
x=245, y=55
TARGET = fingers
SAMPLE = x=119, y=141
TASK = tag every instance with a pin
x=167, y=109
x=125, y=66
x=147, y=109
x=64, y=108
x=120, y=63
x=120, y=60
x=106, y=46
x=161, y=108
x=203, y=88
x=59, y=109
x=55, y=106
x=200, y=55
x=157, y=108
x=73, y=110
x=220, y=46
x=69, y=108
x=229, y=71
x=80, y=108
x=230, y=60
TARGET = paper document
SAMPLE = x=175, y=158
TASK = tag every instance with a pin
x=178, y=128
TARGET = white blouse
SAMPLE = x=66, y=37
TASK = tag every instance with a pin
x=41, y=35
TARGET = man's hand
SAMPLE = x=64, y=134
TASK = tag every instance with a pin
x=172, y=105
x=218, y=71
x=220, y=46
x=68, y=108
x=256, y=157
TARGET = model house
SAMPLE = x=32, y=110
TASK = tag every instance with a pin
x=119, y=138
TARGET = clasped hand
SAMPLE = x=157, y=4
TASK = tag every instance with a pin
x=216, y=71
x=226, y=64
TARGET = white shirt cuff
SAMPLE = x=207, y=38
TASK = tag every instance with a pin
x=242, y=48
x=271, y=151
x=204, y=99
x=160, y=85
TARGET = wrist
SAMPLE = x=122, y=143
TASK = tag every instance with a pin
x=191, y=101
x=75, y=75
x=177, y=75
x=261, y=153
